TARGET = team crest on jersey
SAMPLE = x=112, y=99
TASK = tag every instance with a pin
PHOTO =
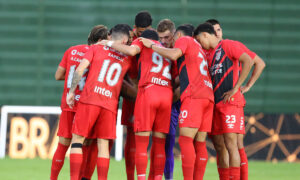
x=218, y=54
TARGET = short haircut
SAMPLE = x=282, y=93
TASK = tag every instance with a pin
x=186, y=30
x=213, y=21
x=98, y=32
x=190, y=26
x=143, y=19
x=118, y=31
x=127, y=26
x=164, y=25
x=150, y=34
x=205, y=27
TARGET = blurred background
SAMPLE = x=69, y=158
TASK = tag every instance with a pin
x=35, y=33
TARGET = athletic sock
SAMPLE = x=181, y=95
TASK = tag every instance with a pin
x=223, y=173
x=141, y=158
x=201, y=160
x=92, y=155
x=234, y=173
x=130, y=155
x=102, y=168
x=58, y=160
x=151, y=171
x=85, y=150
x=188, y=156
x=159, y=156
x=169, y=166
x=244, y=164
x=75, y=165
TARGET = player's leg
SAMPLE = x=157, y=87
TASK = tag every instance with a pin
x=158, y=154
x=230, y=140
x=200, y=145
x=76, y=156
x=243, y=157
x=188, y=154
x=65, y=135
x=130, y=153
x=103, y=158
x=222, y=156
x=141, y=158
x=90, y=157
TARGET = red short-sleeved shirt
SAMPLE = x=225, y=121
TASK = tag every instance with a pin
x=224, y=70
x=153, y=68
x=107, y=70
x=195, y=81
x=70, y=61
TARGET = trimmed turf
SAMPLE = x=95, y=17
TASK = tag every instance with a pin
x=37, y=169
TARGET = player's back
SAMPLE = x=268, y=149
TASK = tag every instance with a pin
x=152, y=67
x=106, y=73
x=194, y=76
x=70, y=61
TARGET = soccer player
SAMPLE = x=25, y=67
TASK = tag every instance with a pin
x=218, y=140
x=196, y=99
x=71, y=59
x=143, y=21
x=153, y=104
x=97, y=108
x=224, y=62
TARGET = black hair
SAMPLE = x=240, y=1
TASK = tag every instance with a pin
x=205, y=27
x=186, y=30
x=190, y=26
x=143, y=19
x=150, y=34
x=98, y=32
x=213, y=21
x=119, y=30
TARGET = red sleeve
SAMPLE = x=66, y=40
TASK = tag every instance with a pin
x=182, y=44
x=138, y=43
x=133, y=70
x=248, y=51
x=233, y=49
x=89, y=54
x=63, y=62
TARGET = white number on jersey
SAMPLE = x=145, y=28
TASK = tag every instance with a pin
x=114, y=68
x=70, y=78
x=158, y=60
x=203, y=64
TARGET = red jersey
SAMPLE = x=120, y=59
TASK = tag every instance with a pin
x=224, y=69
x=194, y=77
x=152, y=67
x=70, y=61
x=107, y=70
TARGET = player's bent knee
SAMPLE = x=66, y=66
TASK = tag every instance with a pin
x=159, y=134
x=64, y=141
x=201, y=136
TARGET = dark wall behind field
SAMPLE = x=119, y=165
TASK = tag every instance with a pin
x=35, y=33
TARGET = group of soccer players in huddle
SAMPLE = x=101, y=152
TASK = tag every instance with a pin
x=168, y=76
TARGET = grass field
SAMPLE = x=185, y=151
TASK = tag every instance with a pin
x=37, y=169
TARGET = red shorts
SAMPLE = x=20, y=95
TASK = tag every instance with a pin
x=152, y=110
x=65, y=124
x=94, y=122
x=196, y=113
x=127, y=112
x=228, y=119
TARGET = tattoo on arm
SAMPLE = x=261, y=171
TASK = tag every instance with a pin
x=76, y=78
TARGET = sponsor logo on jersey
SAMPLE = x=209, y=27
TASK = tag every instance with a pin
x=75, y=52
x=102, y=91
x=207, y=83
x=159, y=81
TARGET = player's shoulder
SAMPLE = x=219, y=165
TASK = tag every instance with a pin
x=80, y=47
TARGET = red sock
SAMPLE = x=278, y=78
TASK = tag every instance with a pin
x=223, y=173
x=234, y=173
x=188, y=156
x=85, y=150
x=102, y=168
x=244, y=164
x=141, y=158
x=130, y=154
x=58, y=160
x=159, y=159
x=91, y=160
x=201, y=160
x=75, y=165
x=151, y=171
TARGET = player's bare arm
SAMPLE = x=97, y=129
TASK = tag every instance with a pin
x=128, y=91
x=76, y=78
x=170, y=53
x=60, y=73
x=246, y=67
x=128, y=50
x=259, y=66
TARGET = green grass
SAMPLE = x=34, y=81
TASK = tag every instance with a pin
x=37, y=169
